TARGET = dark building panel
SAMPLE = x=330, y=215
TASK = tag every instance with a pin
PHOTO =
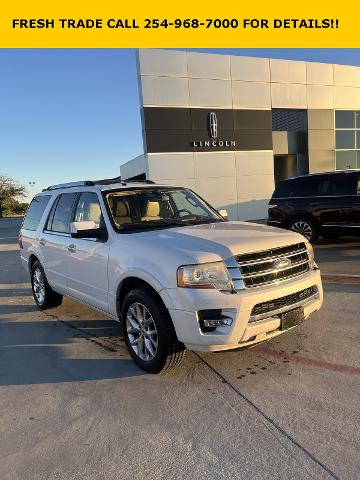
x=168, y=141
x=200, y=118
x=158, y=118
x=189, y=129
x=253, y=139
x=252, y=119
x=289, y=120
x=203, y=134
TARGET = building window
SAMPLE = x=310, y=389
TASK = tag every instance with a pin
x=347, y=139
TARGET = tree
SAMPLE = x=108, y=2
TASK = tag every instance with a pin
x=9, y=189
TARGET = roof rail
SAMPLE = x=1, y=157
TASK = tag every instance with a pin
x=107, y=181
x=123, y=182
x=85, y=183
x=150, y=182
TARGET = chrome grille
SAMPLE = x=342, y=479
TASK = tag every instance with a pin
x=270, y=266
x=277, y=304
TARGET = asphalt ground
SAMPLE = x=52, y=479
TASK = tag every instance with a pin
x=74, y=406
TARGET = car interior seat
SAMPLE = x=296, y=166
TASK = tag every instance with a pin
x=121, y=212
x=152, y=212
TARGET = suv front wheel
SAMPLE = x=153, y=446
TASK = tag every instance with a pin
x=44, y=295
x=149, y=333
x=305, y=227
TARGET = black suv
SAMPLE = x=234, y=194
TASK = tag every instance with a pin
x=326, y=204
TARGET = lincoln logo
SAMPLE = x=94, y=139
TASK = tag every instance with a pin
x=213, y=125
x=281, y=263
x=213, y=134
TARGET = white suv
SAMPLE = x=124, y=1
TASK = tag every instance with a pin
x=169, y=267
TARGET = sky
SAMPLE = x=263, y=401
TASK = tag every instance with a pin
x=73, y=114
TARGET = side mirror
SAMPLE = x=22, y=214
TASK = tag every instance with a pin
x=87, y=230
x=223, y=213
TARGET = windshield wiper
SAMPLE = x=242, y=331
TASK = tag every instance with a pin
x=202, y=219
x=152, y=224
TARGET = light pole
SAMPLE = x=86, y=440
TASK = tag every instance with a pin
x=32, y=186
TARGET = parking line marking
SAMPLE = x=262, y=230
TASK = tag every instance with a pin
x=273, y=422
x=311, y=362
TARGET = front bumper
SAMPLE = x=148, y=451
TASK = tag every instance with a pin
x=242, y=332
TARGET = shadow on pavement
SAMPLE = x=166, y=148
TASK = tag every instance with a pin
x=36, y=352
x=15, y=292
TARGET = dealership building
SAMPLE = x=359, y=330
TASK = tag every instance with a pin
x=230, y=127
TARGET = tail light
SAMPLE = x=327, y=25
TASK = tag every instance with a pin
x=20, y=241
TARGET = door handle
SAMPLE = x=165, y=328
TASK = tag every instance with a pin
x=314, y=204
x=42, y=242
x=72, y=248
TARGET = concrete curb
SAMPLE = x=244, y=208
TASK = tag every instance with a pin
x=340, y=278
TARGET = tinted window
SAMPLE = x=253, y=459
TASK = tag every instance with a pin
x=62, y=213
x=88, y=209
x=337, y=185
x=35, y=212
x=300, y=187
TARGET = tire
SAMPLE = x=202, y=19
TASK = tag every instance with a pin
x=305, y=227
x=44, y=295
x=153, y=346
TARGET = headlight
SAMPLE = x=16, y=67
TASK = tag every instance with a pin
x=311, y=255
x=205, y=275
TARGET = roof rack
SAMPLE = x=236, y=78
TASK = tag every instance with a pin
x=110, y=181
x=149, y=182
x=107, y=181
x=84, y=183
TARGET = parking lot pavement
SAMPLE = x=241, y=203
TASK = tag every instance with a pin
x=73, y=405
x=339, y=256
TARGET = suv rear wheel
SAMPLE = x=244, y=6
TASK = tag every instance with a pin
x=305, y=227
x=149, y=333
x=44, y=295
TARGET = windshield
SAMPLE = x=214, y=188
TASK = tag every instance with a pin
x=140, y=209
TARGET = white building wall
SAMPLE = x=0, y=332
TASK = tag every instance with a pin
x=240, y=181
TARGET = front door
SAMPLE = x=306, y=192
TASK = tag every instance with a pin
x=87, y=261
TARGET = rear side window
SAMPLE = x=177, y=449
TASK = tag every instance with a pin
x=338, y=185
x=299, y=187
x=35, y=212
x=62, y=213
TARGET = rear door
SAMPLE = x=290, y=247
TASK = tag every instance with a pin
x=336, y=202
x=87, y=259
x=55, y=240
x=30, y=225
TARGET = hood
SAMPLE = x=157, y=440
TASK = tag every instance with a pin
x=219, y=241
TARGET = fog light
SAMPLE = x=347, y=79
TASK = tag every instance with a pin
x=209, y=320
x=219, y=322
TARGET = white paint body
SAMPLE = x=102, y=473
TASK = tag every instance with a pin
x=93, y=272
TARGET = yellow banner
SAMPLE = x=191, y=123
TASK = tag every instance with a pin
x=207, y=24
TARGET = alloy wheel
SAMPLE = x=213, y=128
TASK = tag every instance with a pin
x=141, y=331
x=302, y=227
x=39, y=286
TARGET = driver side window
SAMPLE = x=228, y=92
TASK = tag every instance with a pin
x=88, y=210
